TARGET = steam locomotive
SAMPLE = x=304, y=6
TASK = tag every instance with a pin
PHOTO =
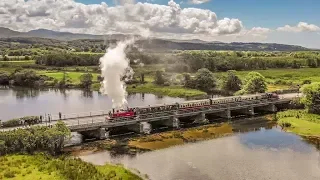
x=132, y=112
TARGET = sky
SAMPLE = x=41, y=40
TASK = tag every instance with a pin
x=294, y=22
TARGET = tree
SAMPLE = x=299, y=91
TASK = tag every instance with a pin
x=159, y=79
x=295, y=64
x=311, y=62
x=188, y=82
x=26, y=78
x=254, y=83
x=26, y=58
x=142, y=78
x=232, y=82
x=4, y=78
x=311, y=97
x=86, y=49
x=205, y=80
x=5, y=58
x=86, y=80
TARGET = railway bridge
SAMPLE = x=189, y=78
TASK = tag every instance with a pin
x=100, y=127
x=96, y=125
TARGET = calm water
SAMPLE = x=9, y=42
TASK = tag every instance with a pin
x=24, y=102
x=264, y=154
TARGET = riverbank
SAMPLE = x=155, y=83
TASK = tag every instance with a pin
x=300, y=122
x=41, y=166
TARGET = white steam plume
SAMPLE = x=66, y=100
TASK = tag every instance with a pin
x=114, y=69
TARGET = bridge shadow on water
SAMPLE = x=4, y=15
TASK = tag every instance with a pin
x=120, y=137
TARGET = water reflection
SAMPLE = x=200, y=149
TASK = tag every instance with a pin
x=270, y=139
x=24, y=102
x=87, y=94
x=27, y=93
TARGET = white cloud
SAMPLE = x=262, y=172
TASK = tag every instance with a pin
x=127, y=17
x=258, y=32
x=198, y=1
x=123, y=2
x=300, y=27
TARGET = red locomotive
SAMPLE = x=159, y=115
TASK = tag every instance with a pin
x=121, y=113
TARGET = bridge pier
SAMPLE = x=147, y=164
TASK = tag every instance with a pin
x=247, y=111
x=101, y=133
x=141, y=128
x=224, y=114
x=269, y=108
x=201, y=118
x=173, y=122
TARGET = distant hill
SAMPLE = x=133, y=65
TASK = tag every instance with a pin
x=41, y=35
x=7, y=33
x=161, y=44
x=44, y=33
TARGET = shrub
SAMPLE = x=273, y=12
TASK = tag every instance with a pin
x=12, y=123
x=9, y=174
x=30, y=120
x=285, y=124
x=307, y=81
x=34, y=139
x=177, y=135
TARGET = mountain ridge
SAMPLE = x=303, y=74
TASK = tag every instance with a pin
x=157, y=43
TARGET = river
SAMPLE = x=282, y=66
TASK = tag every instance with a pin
x=25, y=102
x=259, y=155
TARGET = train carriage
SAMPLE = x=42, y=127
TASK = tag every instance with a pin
x=157, y=108
x=196, y=104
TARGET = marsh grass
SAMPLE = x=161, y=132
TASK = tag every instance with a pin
x=174, y=138
x=41, y=166
x=300, y=122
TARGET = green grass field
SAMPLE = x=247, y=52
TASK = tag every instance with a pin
x=17, y=63
x=173, y=91
x=74, y=77
x=300, y=121
x=285, y=77
x=36, y=167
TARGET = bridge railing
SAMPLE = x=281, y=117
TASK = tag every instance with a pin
x=56, y=117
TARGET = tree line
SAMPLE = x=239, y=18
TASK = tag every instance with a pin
x=215, y=61
x=74, y=59
x=206, y=81
x=33, y=139
x=20, y=77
